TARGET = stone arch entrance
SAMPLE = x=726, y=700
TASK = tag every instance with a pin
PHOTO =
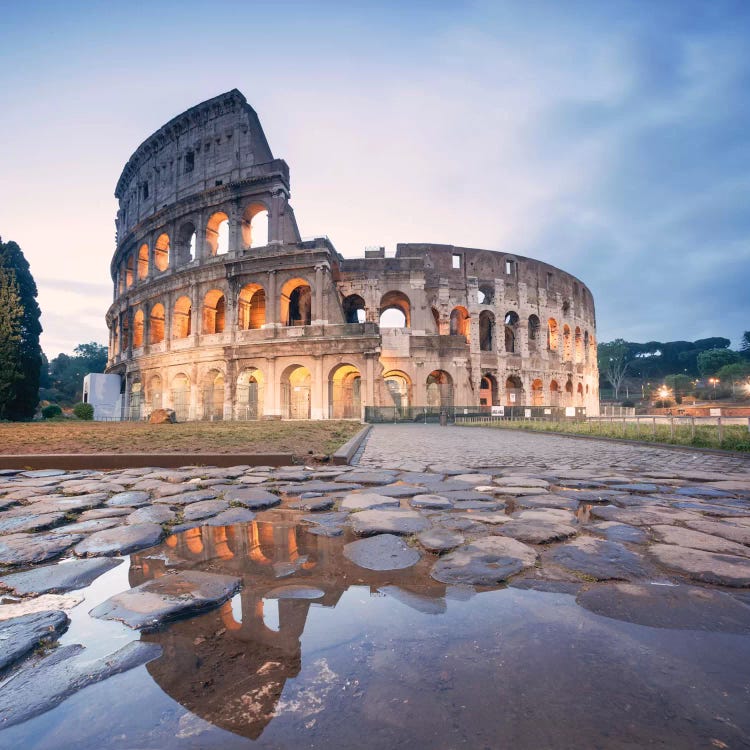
x=295, y=392
x=439, y=390
x=181, y=397
x=344, y=392
x=213, y=396
x=398, y=387
x=249, y=394
x=514, y=391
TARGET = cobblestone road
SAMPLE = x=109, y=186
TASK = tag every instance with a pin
x=389, y=445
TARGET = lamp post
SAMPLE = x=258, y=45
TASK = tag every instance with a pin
x=713, y=382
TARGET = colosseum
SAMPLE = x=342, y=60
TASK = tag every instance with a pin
x=222, y=311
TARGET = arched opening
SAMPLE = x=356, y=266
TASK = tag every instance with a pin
x=486, y=294
x=554, y=393
x=398, y=386
x=129, y=275
x=586, y=345
x=534, y=328
x=251, y=307
x=125, y=329
x=214, y=311
x=511, y=331
x=213, y=395
x=249, y=397
x=567, y=344
x=486, y=331
x=579, y=344
x=436, y=318
x=344, y=392
x=154, y=392
x=395, y=310
x=254, y=228
x=514, y=391
x=569, y=391
x=552, y=335
x=295, y=392
x=138, y=329
x=181, y=397
x=488, y=390
x=182, y=318
x=354, y=309
x=135, y=403
x=186, y=240
x=592, y=348
x=156, y=323
x=161, y=252
x=459, y=322
x=580, y=392
x=439, y=390
x=296, y=303
x=143, y=261
x=537, y=393
x=217, y=233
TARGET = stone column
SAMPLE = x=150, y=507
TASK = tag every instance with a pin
x=129, y=317
x=275, y=214
x=196, y=314
x=317, y=313
x=146, y=307
x=272, y=303
x=201, y=247
x=369, y=390
x=168, y=310
x=317, y=391
x=235, y=235
x=230, y=380
x=271, y=390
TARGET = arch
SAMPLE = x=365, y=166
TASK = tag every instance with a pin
x=156, y=324
x=439, y=390
x=251, y=307
x=135, y=401
x=217, y=233
x=486, y=294
x=513, y=391
x=181, y=396
x=488, y=390
x=578, y=345
x=254, y=226
x=552, y=334
x=182, y=318
x=554, y=393
x=486, y=331
x=534, y=327
x=296, y=303
x=579, y=391
x=143, y=261
x=214, y=311
x=569, y=390
x=161, y=252
x=249, y=394
x=436, y=317
x=153, y=393
x=567, y=344
x=138, y=329
x=395, y=300
x=295, y=392
x=354, y=309
x=186, y=238
x=344, y=392
x=398, y=385
x=212, y=392
x=592, y=345
x=511, y=331
x=586, y=346
x=459, y=322
x=129, y=271
x=537, y=393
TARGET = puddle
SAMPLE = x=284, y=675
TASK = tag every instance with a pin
x=381, y=659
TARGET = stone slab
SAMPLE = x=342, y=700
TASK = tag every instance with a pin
x=20, y=635
x=485, y=562
x=67, y=576
x=121, y=540
x=381, y=552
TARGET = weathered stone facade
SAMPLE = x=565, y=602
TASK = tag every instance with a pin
x=222, y=311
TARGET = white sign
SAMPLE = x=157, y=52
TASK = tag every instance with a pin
x=498, y=411
x=570, y=411
x=548, y=411
x=513, y=398
x=715, y=412
x=527, y=413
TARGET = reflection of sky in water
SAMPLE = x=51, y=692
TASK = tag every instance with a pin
x=236, y=603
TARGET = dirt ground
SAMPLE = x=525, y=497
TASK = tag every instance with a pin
x=299, y=438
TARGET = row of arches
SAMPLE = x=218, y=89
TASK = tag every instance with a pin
x=515, y=393
x=185, y=247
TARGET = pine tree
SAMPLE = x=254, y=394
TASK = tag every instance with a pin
x=25, y=397
x=11, y=316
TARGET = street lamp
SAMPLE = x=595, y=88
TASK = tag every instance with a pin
x=713, y=382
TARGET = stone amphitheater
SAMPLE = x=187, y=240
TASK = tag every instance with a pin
x=222, y=311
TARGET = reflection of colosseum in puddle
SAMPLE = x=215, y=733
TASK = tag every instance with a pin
x=222, y=311
x=229, y=666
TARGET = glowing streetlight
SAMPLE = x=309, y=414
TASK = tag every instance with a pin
x=664, y=392
x=713, y=382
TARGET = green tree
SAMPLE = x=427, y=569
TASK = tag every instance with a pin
x=66, y=371
x=712, y=360
x=25, y=398
x=614, y=359
x=745, y=344
x=679, y=384
x=11, y=315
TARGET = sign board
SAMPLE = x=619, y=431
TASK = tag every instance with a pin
x=498, y=411
x=715, y=412
x=526, y=413
x=548, y=411
x=570, y=411
x=513, y=398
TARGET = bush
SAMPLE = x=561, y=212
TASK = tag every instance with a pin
x=628, y=404
x=84, y=411
x=663, y=403
x=51, y=411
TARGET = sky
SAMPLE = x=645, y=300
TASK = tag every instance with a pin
x=611, y=139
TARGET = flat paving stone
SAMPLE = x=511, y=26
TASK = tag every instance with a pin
x=40, y=685
x=520, y=481
x=312, y=504
x=618, y=532
x=96, y=513
x=121, y=540
x=381, y=552
x=192, y=496
x=366, y=501
x=391, y=521
x=590, y=496
x=331, y=531
x=43, y=473
x=473, y=479
x=230, y=517
x=317, y=485
x=469, y=496
x=647, y=516
x=57, y=579
x=382, y=476
x=485, y=562
x=399, y=490
x=169, y=596
x=294, y=591
x=709, y=567
x=204, y=509
x=492, y=517
x=536, y=531
x=431, y=502
x=439, y=540
x=87, y=527
x=18, y=524
x=26, y=549
x=21, y=635
x=252, y=497
x=151, y=514
x=698, y=540
x=133, y=499
x=598, y=558
x=326, y=519
x=703, y=491
x=641, y=487
x=545, y=501
x=732, y=531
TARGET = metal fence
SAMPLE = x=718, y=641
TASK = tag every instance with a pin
x=469, y=414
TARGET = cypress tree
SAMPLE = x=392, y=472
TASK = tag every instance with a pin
x=11, y=315
x=25, y=397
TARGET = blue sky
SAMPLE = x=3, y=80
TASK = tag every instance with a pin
x=611, y=139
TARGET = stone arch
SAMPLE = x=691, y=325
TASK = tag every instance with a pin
x=398, y=385
x=212, y=395
x=486, y=293
x=129, y=271
x=586, y=345
x=156, y=324
x=186, y=240
x=296, y=302
x=251, y=307
x=295, y=392
x=537, y=392
x=436, y=317
x=182, y=318
x=354, y=308
x=488, y=392
x=345, y=392
x=143, y=262
x=254, y=225
x=486, y=331
x=439, y=390
x=135, y=400
x=395, y=300
x=552, y=335
x=217, y=233
x=511, y=332
x=569, y=391
x=459, y=322
x=579, y=391
x=567, y=344
x=578, y=345
x=154, y=392
x=249, y=394
x=534, y=327
x=514, y=391
x=138, y=325
x=214, y=311
x=161, y=252
x=554, y=393
x=180, y=387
